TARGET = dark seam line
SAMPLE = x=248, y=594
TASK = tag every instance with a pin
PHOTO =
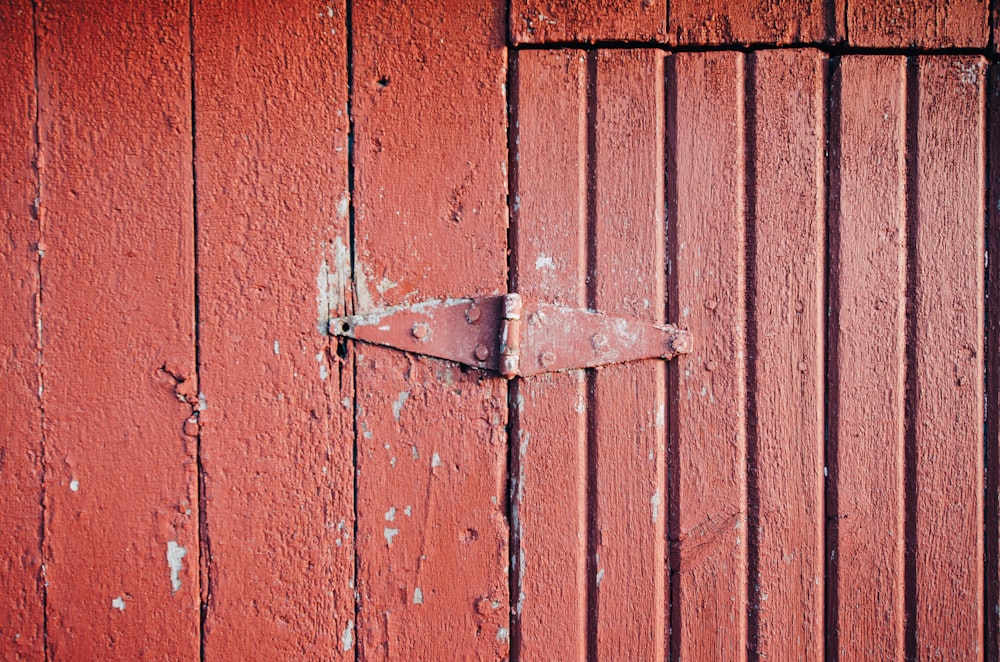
x=829, y=49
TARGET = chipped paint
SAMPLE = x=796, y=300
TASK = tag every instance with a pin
x=397, y=406
x=74, y=485
x=390, y=514
x=503, y=635
x=118, y=603
x=175, y=556
x=347, y=638
x=654, y=502
x=390, y=534
x=435, y=460
x=418, y=596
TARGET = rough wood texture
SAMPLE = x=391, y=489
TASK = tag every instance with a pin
x=549, y=481
x=708, y=412
x=947, y=398
x=867, y=365
x=21, y=601
x=918, y=23
x=431, y=218
x=756, y=21
x=787, y=207
x=628, y=417
x=274, y=265
x=992, y=564
x=118, y=309
x=544, y=21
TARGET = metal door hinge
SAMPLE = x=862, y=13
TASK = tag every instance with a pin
x=513, y=337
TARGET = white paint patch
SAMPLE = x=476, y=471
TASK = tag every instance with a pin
x=277, y=348
x=435, y=460
x=175, y=556
x=390, y=514
x=600, y=576
x=74, y=485
x=390, y=534
x=385, y=285
x=408, y=511
x=661, y=416
x=332, y=282
x=654, y=501
x=364, y=296
x=418, y=596
x=118, y=603
x=344, y=204
x=323, y=372
x=397, y=406
x=413, y=451
x=503, y=634
x=347, y=639
x=544, y=262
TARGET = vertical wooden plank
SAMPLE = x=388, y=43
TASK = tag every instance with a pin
x=947, y=411
x=918, y=23
x=787, y=203
x=430, y=221
x=21, y=602
x=700, y=22
x=992, y=510
x=549, y=481
x=119, y=352
x=708, y=412
x=540, y=22
x=628, y=416
x=274, y=263
x=867, y=361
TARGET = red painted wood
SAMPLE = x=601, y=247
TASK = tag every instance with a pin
x=21, y=601
x=117, y=283
x=274, y=265
x=708, y=412
x=431, y=216
x=787, y=375
x=630, y=503
x=918, y=23
x=756, y=21
x=948, y=356
x=867, y=360
x=549, y=481
x=992, y=505
x=540, y=22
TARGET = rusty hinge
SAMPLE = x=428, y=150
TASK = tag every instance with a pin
x=512, y=337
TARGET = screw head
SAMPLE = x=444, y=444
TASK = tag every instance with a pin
x=473, y=314
x=599, y=342
x=547, y=359
x=481, y=352
x=420, y=330
x=681, y=343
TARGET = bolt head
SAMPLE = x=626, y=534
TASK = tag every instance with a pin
x=473, y=314
x=420, y=330
x=682, y=343
x=599, y=342
x=546, y=359
x=482, y=352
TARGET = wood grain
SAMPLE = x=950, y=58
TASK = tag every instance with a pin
x=549, y=476
x=430, y=221
x=628, y=416
x=708, y=529
x=21, y=601
x=947, y=402
x=918, y=23
x=867, y=362
x=787, y=205
x=697, y=22
x=274, y=265
x=992, y=506
x=117, y=284
x=541, y=22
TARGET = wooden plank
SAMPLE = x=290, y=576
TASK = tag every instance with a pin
x=786, y=379
x=544, y=21
x=947, y=395
x=992, y=506
x=430, y=221
x=708, y=471
x=21, y=601
x=867, y=361
x=549, y=476
x=918, y=23
x=119, y=350
x=701, y=22
x=628, y=416
x=274, y=265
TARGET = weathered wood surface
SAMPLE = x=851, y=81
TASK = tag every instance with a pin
x=627, y=408
x=918, y=23
x=786, y=375
x=430, y=221
x=549, y=419
x=756, y=21
x=992, y=357
x=946, y=383
x=21, y=601
x=544, y=21
x=708, y=508
x=866, y=358
x=274, y=265
x=117, y=304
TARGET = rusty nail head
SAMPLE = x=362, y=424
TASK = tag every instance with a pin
x=681, y=342
x=711, y=304
x=710, y=366
x=599, y=341
x=547, y=359
x=803, y=366
x=482, y=352
x=420, y=330
x=472, y=314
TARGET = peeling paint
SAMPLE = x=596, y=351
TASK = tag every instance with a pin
x=175, y=556
x=654, y=502
x=347, y=639
x=323, y=372
x=118, y=603
x=277, y=348
x=418, y=596
x=332, y=283
x=390, y=514
x=544, y=262
x=435, y=460
x=74, y=485
x=503, y=635
x=397, y=406
x=390, y=534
